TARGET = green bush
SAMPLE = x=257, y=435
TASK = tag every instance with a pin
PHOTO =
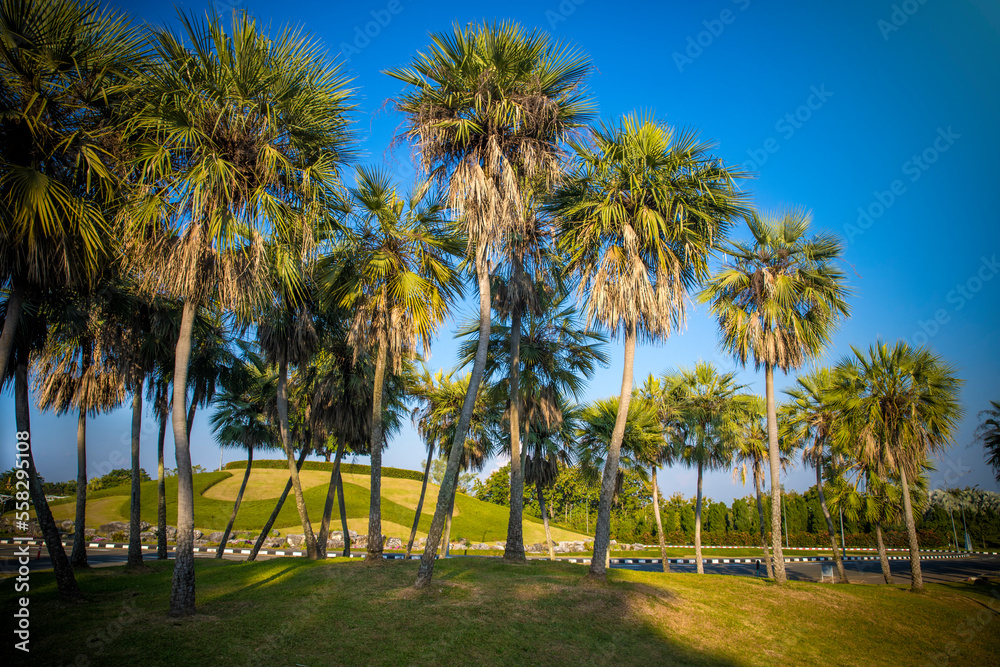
x=350, y=468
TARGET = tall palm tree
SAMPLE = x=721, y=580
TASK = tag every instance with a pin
x=242, y=421
x=809, y=421
x=640, y=214
x=77, y=372
x=711, y=409
x=487, y=107
x=426, y=391
x=242, y=132
x=988, y=433
x=65, y=67
x=778, y=300
x=900, y=405
x=400, y=283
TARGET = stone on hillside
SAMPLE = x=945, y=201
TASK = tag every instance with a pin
x=393, y=543
x=147, y=536
x=216, y=536
x=295, y=540
x=275, y=533
x=171, y=532
x=113, y=527
x=274, y=543
x=198, y=534
x=335, y=543
x=479, y=546
x=89, y=532
x=68, y=524
x=201, y=543
x=535, y=548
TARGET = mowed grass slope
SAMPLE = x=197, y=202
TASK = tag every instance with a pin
x=481, y=611
x=216, y=491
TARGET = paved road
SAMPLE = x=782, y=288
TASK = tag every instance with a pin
x=869, y=572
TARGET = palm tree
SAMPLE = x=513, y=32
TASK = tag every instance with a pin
x=65, y=67
x=900, y=405
x=808, y=421
x=426, y=391
x=641, y=212
x=399, y=283
x=242, y=421
x=778, y=300
x=988, y=433
x=241, y=132
x=29, y=336
x=77, y=372
x=711, y=410
x=487, y=107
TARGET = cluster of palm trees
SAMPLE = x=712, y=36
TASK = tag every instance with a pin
x=167, y=194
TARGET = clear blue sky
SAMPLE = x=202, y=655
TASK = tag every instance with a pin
x=882, y=121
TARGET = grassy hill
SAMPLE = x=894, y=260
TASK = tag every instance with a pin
x=216, y=491
x=480, y=611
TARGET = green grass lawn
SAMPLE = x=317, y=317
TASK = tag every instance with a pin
x=480, y=611
x=475, y=520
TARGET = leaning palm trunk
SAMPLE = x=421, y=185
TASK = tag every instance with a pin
x=65, y=580
x=373, y=551
x=426, y=571
x=545, y=520
x=161, y=493
x=78, y=557
x=916, y=576
x=14, y=303
x=699, y=563
x=837, y=556
x=420, y=506
x=774, y=458
x=602, y=533
x=293, y=470
x=763, y=529
x=265, y=531
x=331, y=492
x=446, y=551
x=342, y=506
x=659, y=521
x=882, y=556
x=134, y=541
x=514, y=548
x=182, y=593
x=236, y=507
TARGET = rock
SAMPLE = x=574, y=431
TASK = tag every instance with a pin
x=147, y=537
x=360, y=541
x=89, y=532
x=274, y=542
x=535, y=548
x=216, y=536
x=113, y=527
x=295, y=540
x=171, y=532
x=393, y=543
x=479, y=546
x=275, y=533
x=335, y=543
x=198, y=534
x=201, y=543
x=68, y=524
x=353, y=534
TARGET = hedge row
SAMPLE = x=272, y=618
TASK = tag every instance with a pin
x=350, y=468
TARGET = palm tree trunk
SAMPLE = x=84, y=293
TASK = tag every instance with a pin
x=841, y=574
x=659, y=521
x=883, y=558
x=331, y=492
x=14, y=303
x=196, y=397
x=763, y=529
x=342, y=506
x=65, y=579
x=699, y=563
x=236, y=507
x=447, y=527
x=420, y=504
x=774, y=458
x=134, y=541
x=78, y=557
x=916, y=576
x=426, y=571
x=602, y=533
x=266, y=530
x=545, y=520
x=373, y=552
x=514, y=549
x=182, y=593
x=293, y=470
x=161, y=493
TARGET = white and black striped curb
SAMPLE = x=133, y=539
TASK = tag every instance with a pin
x=751, y=561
